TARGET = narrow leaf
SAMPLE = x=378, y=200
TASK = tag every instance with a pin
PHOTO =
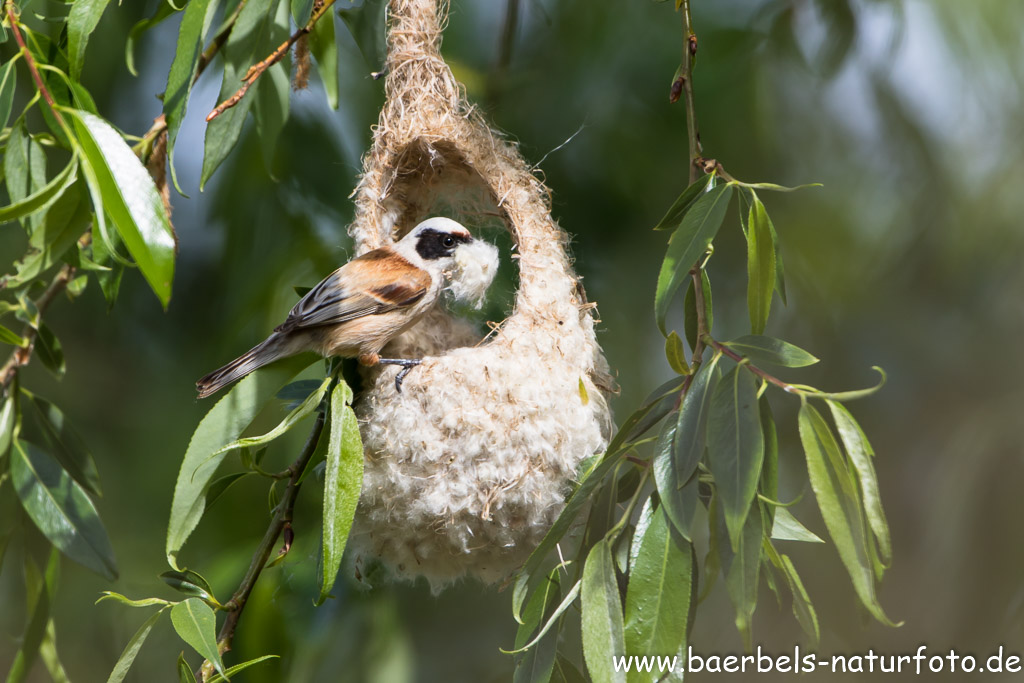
x=190, y=583
x=82, y=20
x=735, y=447
x=690, y=309
x=225, y=421
x=219, y=487
x=688, y=243
x=367, y=25
x=8, y=84
x=803, y=608
x=675, y=355
x=842, y=518
x=683, y=203
x=788, y=528
x=185, y=674
x=304, y=410
x=301, y=11
x=678, y=502
x=343, y=481
x=603, y=635
x=232, y=670
x=131, y=200
x=44, y=196
x=49, y=351
x=61, y=509
x=760, y=266
x=691, y=432
x=658, y=596
x=131, y=650
x=324, y=48
x=861, y=455
x=164, y=10
x=761, y=349
x=248, y=43
x=741, y=566
x=145, y=602
x=196, y=623
x=195, y=23
x=50, y=428
x=844, y=396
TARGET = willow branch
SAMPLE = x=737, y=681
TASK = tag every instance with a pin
x=689, y=57
x=30, y=61
x=258, y=69
x=745, y=362
x=280, y=523
x=23, y=355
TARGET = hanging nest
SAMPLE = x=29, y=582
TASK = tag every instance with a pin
x=467, y=467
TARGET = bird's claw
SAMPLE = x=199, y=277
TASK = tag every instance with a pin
x=407, y=364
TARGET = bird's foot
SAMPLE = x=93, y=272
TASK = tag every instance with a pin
x=406, y=364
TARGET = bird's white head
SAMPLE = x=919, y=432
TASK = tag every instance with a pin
x=432, y=244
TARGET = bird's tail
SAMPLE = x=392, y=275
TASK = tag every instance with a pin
x=271, y=349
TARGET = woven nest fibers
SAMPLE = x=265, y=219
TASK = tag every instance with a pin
x=469, y=465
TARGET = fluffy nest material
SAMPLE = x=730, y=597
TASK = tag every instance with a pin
x=467, y=468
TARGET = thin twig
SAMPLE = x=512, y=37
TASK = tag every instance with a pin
x=12, y=17
x=689, y=56
x=281, y=522
x=257, y=70
x=22, y=355
x=745, y=362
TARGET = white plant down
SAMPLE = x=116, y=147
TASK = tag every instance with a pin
x=476, y=264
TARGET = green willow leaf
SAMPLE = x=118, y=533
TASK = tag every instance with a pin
x=367, y=25
x=602, y=624
x=49, y=351
x=741, y=566
x=788, y=528
x=803, y=608
x=130, y=198
x=57, y=232
x=683, y=203
x=690, y=309
x=222, y=425
x=8, y=84
x=145, y=602
x=8, y=336
x=692, y=430
x=43, y=197
x=343, y=481
x=248, y=43
x=50, y=428
x=843, y=396
x=567, y=602
x=324, y=48
x=735, y=447
x=40, y=591
x=16, y=162
x=760, y=266
x=301, y=11
x=185, y=674
x=82, y=20
x=861, y=454
x=770, y=468
x=761, y=349
x=778, y=188
x=843, y=517
x=679, y=502
x=536, y=663
x=195, y=24
x=196, y=623
x=131, y=650
x=219, y=487
x=232, y=670
x=675, y=355
x=270, y=108
x=61, y=509
x=190, y=583
x=688, y=243
x=658, y=596
x=304, y=410
x=163, y=11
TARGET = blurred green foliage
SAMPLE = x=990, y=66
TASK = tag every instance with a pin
x=909, y=114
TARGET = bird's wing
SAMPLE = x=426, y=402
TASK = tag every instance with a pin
x=376, y=282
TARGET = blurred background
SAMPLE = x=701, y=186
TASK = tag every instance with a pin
x=911, y=115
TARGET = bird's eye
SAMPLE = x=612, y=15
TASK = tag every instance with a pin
x=448, y=241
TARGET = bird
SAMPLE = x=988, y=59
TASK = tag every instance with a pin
x=361, y=306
